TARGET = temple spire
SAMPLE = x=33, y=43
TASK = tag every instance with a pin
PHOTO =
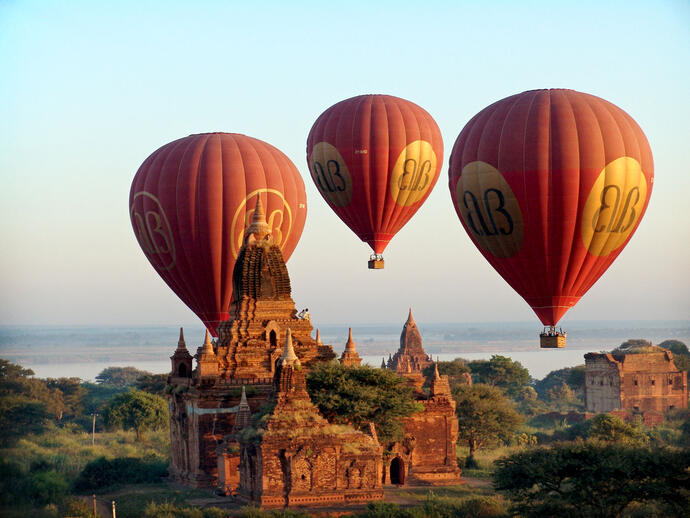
x=437, y=376
x=318, y=337
x=289, y=357
x=181, y=345
x=350, y=345
x=383, y=363
x=410, y=320
x=207, y=348
x=258, y=227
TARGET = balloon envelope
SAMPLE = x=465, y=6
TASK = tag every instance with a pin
x=375, y=159
x=191, y=201
x=550, y=185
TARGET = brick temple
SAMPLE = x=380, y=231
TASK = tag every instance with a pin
x=640, y=380
x=294, y=457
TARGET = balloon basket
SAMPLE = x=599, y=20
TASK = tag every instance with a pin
x=376, y=264
x=552, y=341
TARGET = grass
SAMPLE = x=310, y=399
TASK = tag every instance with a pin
x=68, y=450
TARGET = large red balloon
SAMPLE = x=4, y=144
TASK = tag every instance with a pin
x=375, y=159
x=550, y=185
x=191, y=201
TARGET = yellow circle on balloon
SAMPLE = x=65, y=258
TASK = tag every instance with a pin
x=489, y=209
x=413, y=173
x=330, y=174
x=614, y=206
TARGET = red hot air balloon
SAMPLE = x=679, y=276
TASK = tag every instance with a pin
x=375, y=159
x=191, y=201
x=550, y=185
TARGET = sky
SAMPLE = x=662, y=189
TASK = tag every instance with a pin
x=89, y=89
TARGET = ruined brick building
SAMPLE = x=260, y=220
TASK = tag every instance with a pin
x=641, y=379
x=250, y=367
x=427, y=453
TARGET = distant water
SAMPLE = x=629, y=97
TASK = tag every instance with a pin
x=85, y=351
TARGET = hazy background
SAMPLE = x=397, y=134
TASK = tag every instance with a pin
x=89, y=89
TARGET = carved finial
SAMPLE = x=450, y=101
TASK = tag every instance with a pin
x=350, y=345
x=243, y=398
x=258, y=228
x=289, y=357
x=207, y=348
x=318, y=337
x=181, y=345
x=410, y=320
x=437, y=376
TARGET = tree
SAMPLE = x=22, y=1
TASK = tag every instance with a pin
x=574, y=377
x=358, y=395
x=501, y=372
x=120, y=376
x=485, y=415
x=609, y=428
x=562, y=397
x=9, y=370
x=152, y=383
x=73, y=394
x=16, y=381
x=593, y=480
x=675, y=346
x=20, y=416
x=137, y=410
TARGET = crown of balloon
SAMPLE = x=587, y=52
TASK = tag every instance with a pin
x=258, y=229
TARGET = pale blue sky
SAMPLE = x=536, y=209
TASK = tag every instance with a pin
x=89, y=89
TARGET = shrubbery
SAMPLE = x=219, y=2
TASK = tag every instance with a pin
x=103, y=473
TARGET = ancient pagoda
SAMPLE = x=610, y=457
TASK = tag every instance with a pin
x=205, y=401
x=427, y=453
x=294, y=457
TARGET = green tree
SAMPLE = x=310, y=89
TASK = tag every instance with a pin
x=9, y=370
x=485, y=415
x=73, y=394
x=562, y=397
x=120, y=376
x=501, y=372
x=358, y=395
x=17, y=381
x=605, y=428
x=137, y=410
x=152, y=383
x=611, y=428
x=20, y=416
x=574, y=377
x=676, y=347
x=585, y=480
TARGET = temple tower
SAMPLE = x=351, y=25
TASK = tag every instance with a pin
x=181, y=359
x=410, y=360
x=350, y=357
x=207, y=405
x=295, y=458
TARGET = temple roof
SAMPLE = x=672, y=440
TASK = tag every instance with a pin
x=260, y=271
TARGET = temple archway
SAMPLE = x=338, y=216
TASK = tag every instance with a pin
x=397, y=471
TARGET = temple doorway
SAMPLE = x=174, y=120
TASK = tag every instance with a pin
x=397, y=471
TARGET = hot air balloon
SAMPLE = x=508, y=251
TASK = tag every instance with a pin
x=550, y=185
x=191, y=201
x=375, y=159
